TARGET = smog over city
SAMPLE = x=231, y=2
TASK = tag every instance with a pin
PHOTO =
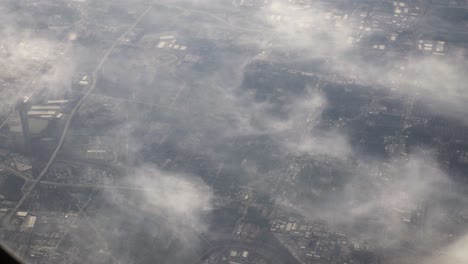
x=239, y=131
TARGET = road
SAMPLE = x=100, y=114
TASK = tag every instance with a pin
x=7, y=118
x=15, y=172
x=92, y=186
x=70, y=117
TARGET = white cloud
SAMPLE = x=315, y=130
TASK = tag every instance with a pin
x=178, y=199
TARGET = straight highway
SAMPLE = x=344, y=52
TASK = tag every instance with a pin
x=95, y=74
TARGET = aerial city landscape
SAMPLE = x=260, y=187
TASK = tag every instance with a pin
x=234, y=131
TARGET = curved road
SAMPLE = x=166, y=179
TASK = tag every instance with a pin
x=70, y=117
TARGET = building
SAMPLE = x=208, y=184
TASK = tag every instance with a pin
x=435, y=47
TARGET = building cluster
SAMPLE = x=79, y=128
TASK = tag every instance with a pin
x=170, y=42
x=44, y=234
x=234, y=255
x=33, y=119
x=101, y=148
x=18, y=162
x=388, y=19
x=250, y=3
x=435, y=47
x=381, y=26
x=79, y=174
x=39, y=233
x=314, y=243
x=248, y=231
x=51, y=109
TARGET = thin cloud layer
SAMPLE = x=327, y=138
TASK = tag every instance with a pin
x=195, y=111
x=314, y=32
x=31, y=61
x=179, y=198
